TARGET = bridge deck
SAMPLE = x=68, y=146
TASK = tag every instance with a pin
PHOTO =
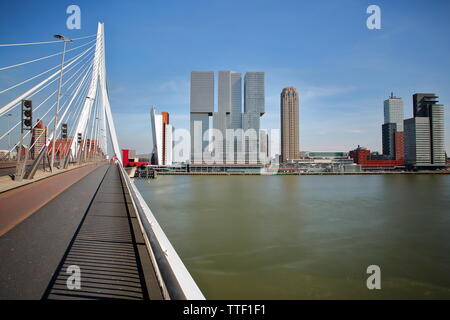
x=106, y=244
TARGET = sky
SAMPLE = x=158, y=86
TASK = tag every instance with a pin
x=342, y=70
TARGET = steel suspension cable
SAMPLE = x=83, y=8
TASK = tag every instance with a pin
x=51, y=121
x=83, y=67
x=46, y=57
x=42, y=42
x=32, y=78
x=11, y=104
x=51, y=108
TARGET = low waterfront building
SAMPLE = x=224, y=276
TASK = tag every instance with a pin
x=321, y=162
x=369, y=161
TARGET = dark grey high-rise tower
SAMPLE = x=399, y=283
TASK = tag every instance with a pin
x=388, y=131
x=422, y=104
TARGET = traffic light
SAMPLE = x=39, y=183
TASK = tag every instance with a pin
x=27, y=114
x=64, y=131
x=79, y=138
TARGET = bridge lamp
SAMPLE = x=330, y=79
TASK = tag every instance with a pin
x=60, y=37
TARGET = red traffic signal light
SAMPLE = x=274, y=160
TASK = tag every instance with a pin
x=27, y=114
x=27, y=103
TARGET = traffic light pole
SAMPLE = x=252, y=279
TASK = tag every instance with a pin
x=64, y=152
x=21, y=164
x=80, y=147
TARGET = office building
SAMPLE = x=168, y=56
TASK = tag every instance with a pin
x=162, y=138
x=236, y=136
x=289, y=111
x=254, y=96
x=392, y=138
x=201, y=108
x=236, y=100
x=388, y=136
x=417, y=141
x=392, y=129
x=422, y=104
x=393, y=111
x=222, y=118
x=254, y=108
x=424, y=134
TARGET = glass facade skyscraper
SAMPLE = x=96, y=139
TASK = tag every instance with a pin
x=393, y=111
x=392, y=129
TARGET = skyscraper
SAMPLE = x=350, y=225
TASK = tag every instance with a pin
x=254, y=96
x=235, y=147
x=417, y=141
x=162, y=138
x=222, y=118
x=289, y=109
x=242, y=146
x=254, y=108
x=424, y=134
x=393, y=111
x=202, y=107
x=236, y=100
x=388, y=137
x=422, y=103
x=392, y=129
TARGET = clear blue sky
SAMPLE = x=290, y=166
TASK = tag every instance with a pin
x=342, y=70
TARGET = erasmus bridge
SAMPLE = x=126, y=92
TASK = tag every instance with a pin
x=72, y=223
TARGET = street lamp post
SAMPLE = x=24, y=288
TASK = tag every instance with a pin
x=65, y=40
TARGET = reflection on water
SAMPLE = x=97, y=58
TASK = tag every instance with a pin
x=308, y=237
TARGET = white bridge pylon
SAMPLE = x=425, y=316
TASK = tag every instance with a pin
x=98, y=89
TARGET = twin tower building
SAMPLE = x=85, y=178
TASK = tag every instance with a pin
x=236, y=138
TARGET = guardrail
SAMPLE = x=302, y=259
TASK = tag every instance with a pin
x=175, y=279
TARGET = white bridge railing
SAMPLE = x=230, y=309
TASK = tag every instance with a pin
x=174, y=278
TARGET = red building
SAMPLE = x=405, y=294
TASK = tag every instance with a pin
x=38, y=139
x=362, y=156
x=399, y=146
x=129, y=162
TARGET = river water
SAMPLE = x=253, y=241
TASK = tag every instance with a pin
x=308, y=237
